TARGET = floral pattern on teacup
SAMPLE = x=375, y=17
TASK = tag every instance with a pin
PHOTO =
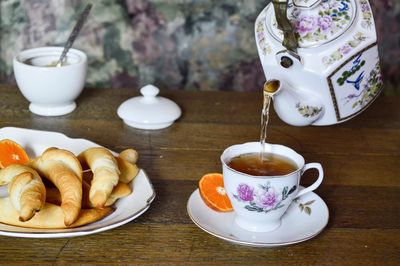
x=265, y=198
x=305, y=206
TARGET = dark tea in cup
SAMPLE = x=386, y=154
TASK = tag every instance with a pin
x=270, y=165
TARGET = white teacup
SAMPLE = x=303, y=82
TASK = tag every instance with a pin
x=51, y=90
x=259, y=202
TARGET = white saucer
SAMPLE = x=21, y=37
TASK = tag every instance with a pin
x=304, y=219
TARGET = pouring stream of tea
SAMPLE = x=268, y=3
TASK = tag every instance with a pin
x=270, y=88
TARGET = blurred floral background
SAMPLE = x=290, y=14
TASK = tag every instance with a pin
x=174, y=44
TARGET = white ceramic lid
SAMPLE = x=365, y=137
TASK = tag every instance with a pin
x=149, y=111
x=315, y=22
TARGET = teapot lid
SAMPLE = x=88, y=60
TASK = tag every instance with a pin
x=149, y=111
x=315, y=22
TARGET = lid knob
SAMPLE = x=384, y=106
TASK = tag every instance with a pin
x=149, y=91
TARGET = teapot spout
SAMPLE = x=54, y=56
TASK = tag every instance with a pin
x=295, y=106
x=272, y=87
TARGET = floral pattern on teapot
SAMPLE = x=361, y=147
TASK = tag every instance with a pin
x=367, y=14
x=332, y=17
x=260, y=35
x=308, y=111
x=358, y=38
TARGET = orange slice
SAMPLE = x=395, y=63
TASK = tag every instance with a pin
x=213, y=193
x=12, y=153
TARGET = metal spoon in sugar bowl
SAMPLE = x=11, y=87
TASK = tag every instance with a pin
x=74, y=34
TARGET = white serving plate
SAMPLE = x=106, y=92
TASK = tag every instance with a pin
x=126, y=209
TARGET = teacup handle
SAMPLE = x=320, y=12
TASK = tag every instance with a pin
x=316, y=183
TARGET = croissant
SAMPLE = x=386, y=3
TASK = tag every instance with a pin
x=65, y=156
x=25, y=188
x=105, y=174
x=120, y=190
x=50, y=217
x=129, y=155
x=128, y=171
x=63, y=169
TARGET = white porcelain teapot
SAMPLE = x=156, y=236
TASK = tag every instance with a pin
x=323, y=55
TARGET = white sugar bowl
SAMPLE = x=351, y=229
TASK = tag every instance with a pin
x=51, y=90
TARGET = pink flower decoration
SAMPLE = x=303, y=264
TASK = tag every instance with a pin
x=345, y=49
x=267, y=199
x=325, y=23
x=365, y=8
x=306, y=24
x=245, y=192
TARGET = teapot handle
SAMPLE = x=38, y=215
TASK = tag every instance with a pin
x=289, y=37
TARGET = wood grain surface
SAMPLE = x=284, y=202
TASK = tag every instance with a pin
x=361, y=186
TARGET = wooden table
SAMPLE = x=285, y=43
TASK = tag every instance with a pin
x=361, y=159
